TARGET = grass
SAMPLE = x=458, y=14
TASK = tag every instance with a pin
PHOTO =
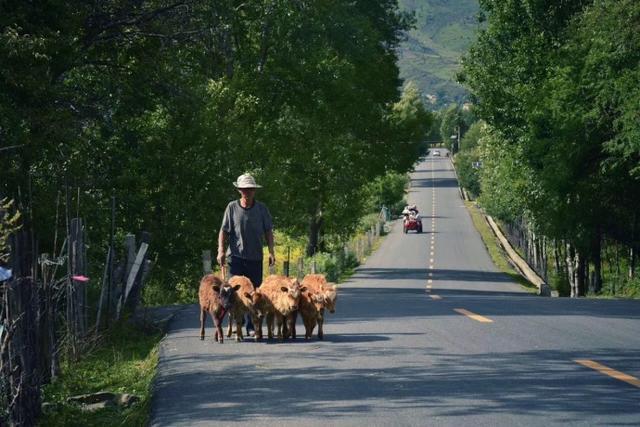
x=123, y=362
x=497, y=254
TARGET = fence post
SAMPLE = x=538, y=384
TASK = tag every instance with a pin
x=77, y=290
x=20, y=347
x=104, y=291
x=300, y=272
x=285, y=264
x=132, y=285
x=206, y=262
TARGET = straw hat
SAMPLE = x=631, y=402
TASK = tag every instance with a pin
x=246, y=181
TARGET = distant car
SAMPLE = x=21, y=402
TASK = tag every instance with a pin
x=436, y=153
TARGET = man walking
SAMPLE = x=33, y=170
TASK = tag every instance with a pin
x=244, y=224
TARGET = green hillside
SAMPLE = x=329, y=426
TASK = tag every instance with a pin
x=431, y=55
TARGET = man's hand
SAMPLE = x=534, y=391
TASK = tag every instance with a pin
x=272, y=259
x=221, y=259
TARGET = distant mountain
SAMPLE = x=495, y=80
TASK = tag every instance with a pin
x=431, y=55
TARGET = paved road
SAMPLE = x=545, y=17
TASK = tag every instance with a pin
x=397, y=353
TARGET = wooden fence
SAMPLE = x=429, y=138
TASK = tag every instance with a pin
x=45, y=311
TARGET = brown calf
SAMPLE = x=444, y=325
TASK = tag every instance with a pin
x=216, y=298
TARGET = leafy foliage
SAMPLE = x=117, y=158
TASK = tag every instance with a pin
x=558, y=84
x=164, y=104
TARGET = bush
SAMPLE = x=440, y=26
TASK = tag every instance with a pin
x=622, y=287
x=386, y=190
x=470, y=139
x=468, y=175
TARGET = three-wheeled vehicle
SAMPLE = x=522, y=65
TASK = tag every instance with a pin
x=411, y=219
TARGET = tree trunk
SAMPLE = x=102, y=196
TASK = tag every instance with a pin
x=632, y=262
x=264, y=38
x=573, y=267
x=557, y=258
x=315, y=224
x=596, y=254
x=582, y=275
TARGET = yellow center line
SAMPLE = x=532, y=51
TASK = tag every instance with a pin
x=472, y=315
x=621, y=376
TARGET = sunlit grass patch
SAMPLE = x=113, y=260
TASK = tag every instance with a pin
x=497, y=254
x=123, y=362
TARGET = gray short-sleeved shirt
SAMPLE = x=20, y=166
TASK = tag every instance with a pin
x=246, y=229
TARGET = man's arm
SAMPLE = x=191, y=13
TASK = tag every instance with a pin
x=222, y=236
x=272, y=253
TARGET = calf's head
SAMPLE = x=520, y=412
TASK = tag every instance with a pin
x=253, y=299
x=330, y=295
x=227, y=295
x=292, y=291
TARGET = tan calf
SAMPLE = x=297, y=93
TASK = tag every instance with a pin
x=280, y=298
x=246, y=300
x=321, y=295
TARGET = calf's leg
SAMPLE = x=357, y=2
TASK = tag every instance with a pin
x=257, y=323
x=230, y=328
x=270, y=326
x=279, y=320
x=203, y=316
x=291, y=325
x=320, y=323
x=217, y=323
x=239, y=336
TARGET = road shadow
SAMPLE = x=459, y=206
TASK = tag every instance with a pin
x=386, y=274
x=434, y=182
x=529, y=384
x=430, y=170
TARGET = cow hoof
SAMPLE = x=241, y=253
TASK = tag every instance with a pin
x=201, y=337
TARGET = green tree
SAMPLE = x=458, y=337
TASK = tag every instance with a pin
x=558, y=112
x=451, y=124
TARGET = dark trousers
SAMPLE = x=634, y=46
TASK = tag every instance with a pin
x=249, y=268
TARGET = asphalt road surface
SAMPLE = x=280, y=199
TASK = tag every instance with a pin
x=426, y=333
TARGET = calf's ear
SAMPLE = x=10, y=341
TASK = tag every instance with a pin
x=284, y=289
